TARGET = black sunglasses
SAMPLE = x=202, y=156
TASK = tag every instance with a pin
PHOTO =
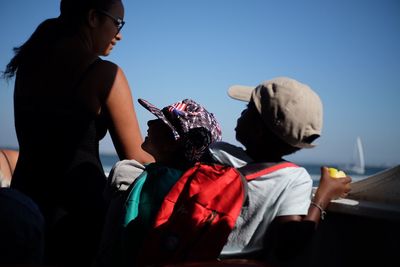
x=117, y=21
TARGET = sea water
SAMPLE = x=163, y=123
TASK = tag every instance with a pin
x=108, y=160
x=315, y=172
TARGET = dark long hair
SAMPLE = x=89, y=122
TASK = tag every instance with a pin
x=72, y=16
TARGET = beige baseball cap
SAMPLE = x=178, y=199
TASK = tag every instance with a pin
x=290, y=109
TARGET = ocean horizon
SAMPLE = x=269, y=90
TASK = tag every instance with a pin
x=314, y=169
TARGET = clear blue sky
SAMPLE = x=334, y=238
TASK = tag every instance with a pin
x=348, y=51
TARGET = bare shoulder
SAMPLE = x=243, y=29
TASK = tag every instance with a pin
x=101, y=77
x=105, y=67
x=11, y=156
x=107, y=73
x=8, y=160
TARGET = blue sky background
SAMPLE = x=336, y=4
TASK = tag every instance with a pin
x=348, y=51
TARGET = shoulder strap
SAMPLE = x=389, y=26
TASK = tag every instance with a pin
x=251, y=173
x=86, y=71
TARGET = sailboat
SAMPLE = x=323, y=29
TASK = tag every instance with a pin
x=358, y=165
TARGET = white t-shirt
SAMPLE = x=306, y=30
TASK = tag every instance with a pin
x=286, y=191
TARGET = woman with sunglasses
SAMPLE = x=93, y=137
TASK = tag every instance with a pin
x=65, y=100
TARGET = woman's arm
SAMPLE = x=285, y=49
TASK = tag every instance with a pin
x=107, y=92
x=124, y=128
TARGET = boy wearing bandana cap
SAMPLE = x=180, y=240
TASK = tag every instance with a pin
x=177, y=139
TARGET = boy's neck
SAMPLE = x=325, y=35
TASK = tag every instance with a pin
x=260, y=155
x=175, y=164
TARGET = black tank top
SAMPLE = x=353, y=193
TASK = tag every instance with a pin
x=59, y=165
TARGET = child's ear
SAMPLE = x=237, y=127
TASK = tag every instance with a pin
x=260, y=130
x=170, y=146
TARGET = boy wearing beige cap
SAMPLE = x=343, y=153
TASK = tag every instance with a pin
x=282, y=117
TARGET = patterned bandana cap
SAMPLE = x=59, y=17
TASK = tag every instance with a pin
x=190, y=121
